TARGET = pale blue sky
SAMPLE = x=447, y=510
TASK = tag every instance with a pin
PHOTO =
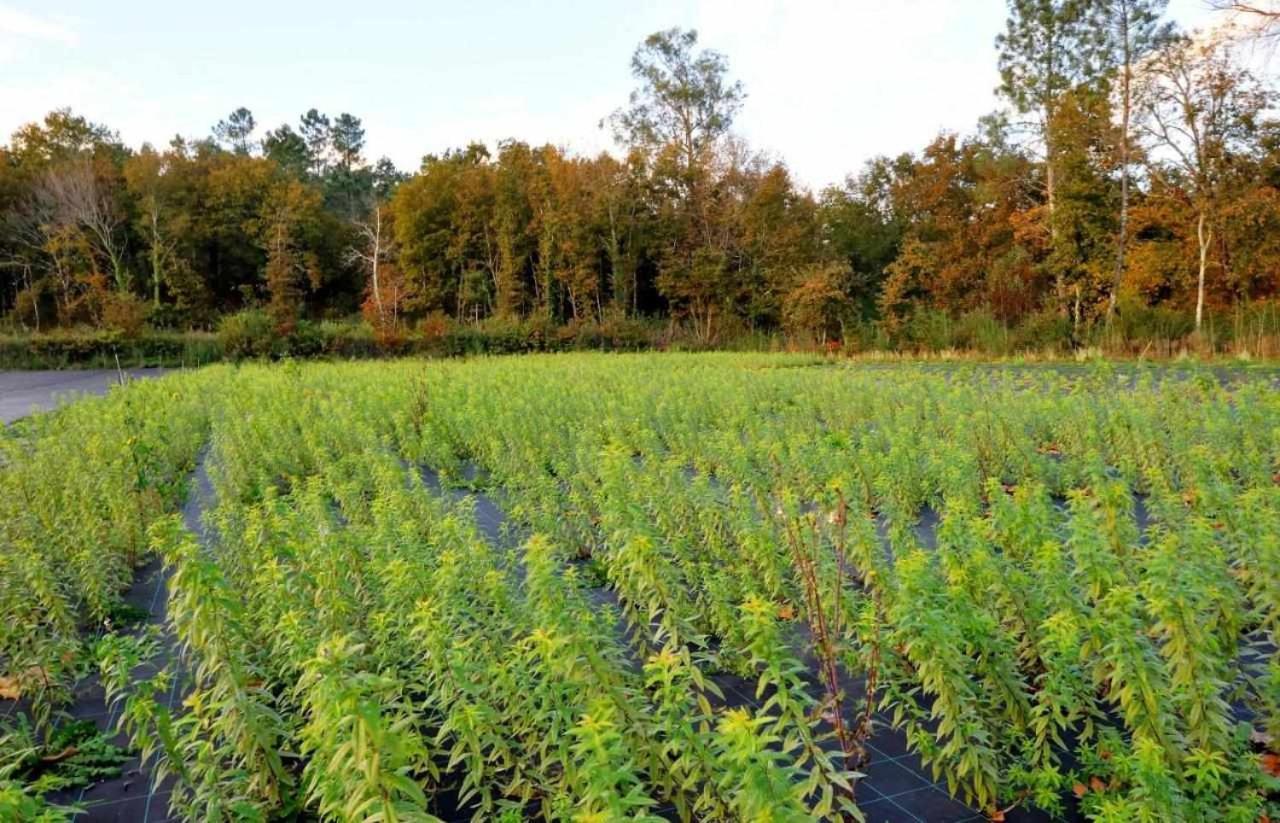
x=830, y=84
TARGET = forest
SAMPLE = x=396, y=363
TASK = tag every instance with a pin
x=1127, y=193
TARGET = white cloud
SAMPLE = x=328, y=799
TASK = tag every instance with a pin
x=831, y=84
x=18, y=24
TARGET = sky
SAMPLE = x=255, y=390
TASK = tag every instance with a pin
x=830, y=83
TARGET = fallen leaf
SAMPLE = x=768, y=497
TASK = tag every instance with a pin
x=787, y=612
x=1096, y=784
x=996, y=816
x=11, y=685
x=1271, y=764
x=1080, y=790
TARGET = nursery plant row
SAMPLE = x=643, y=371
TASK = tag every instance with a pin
x=1063, y=589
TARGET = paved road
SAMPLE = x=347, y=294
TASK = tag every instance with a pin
x=22, y=392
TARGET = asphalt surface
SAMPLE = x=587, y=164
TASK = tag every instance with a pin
x=24, y=392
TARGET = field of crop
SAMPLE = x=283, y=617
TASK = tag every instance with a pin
x=681, y=587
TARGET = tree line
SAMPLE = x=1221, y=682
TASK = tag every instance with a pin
x=1133, y=172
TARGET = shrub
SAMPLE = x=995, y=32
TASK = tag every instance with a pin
x=434, y=326
x=619, y=333
x=865, y=336
x=1045, y=330
x=818, y=302
x=979, y=330
x=249, y=333
x=125, y=313
x=927, y=330
x=1256, y=328
x=96, y=348
x=1138, y=324
x=357, y=340
x=32, y=306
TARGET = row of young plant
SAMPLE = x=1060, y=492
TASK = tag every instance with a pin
x=78, y=489
x=1096, y=615
x=352, y=646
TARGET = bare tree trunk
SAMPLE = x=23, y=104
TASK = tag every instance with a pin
x=377, y=254
x=35, y=302
x=1050, y=187
x=1126, y=107
x=65, y=284
x=615, y=261
x=74, y=195
x=1204, y=237
x=492, y=260
x=369, y=255
x=1050, y=190
x=155, y=256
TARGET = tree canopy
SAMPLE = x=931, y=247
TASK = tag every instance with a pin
x=1136, y=169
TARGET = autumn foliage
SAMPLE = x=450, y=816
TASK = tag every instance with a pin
x=1128, y=194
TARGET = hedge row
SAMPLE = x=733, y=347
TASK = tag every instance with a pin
x=251, y=335
x=248, y=335
x=105, y=349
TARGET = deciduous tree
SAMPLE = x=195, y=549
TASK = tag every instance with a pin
x=685, y=98
x=1198, y=106
x=144, y=173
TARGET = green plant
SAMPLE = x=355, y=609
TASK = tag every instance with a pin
x=73, y=755
x=1051, y=581
x=246, y=334
x=363, y=753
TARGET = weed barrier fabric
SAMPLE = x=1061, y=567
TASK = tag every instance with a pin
x=489, y=517
x=129, y=797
